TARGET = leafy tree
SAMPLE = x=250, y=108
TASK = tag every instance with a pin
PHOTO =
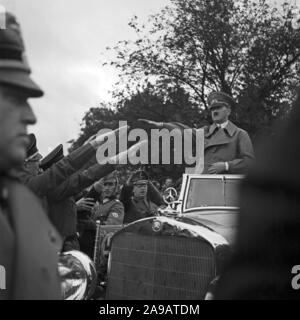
x=95, y=119
x=245, y=48
x=175, y=107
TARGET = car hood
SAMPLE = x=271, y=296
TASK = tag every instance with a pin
x=222, y=222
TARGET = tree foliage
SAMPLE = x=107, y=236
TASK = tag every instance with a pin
x=175, y=107
x=101, y=117
x=245, y=48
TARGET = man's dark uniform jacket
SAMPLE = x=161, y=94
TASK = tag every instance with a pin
x=31, y=266
x=62, y=181
x=29, y=244
x=139, y=210
x=110, y=212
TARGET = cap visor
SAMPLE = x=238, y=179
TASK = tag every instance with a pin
x=21, y=80
x=140, y=182
x=219, y=104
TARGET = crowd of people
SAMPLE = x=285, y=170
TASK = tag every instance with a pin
x=52, y=204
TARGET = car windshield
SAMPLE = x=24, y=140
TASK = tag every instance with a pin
x=216, y=192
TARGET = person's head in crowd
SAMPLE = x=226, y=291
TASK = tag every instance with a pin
x=220, y=105
x=156, y=184
x=54, y=156
x=128, y=173
x=109, y=185
x=139, y=181
x=178, y=184
x=168, y=182
x=122, y=178
x=16, y=87
x=33, y=157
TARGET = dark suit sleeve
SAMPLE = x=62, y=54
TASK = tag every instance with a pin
x=80, y=180
x=43, y=184
x=125, y=196
x=245, y=154
x=154, y=195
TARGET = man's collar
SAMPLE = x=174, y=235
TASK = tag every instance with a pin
x=211, y=129
x=224, y=124
x=231, y=128
x=136, y=200
x=228, y=125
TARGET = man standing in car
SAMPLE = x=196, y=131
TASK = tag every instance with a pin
x=227, y=148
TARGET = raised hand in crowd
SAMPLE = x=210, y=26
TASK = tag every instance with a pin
x=121, y=159
x=100, y=137
x=85, y=204
x=164, y=125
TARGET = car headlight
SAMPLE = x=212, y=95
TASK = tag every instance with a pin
x=78, y=275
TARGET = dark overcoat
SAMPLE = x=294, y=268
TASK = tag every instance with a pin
x=29, y=246
x=231, y=144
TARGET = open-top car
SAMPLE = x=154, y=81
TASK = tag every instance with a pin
x=179, y=253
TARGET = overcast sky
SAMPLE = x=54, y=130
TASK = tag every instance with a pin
x=64, y=40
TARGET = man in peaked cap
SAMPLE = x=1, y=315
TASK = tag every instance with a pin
x=14, y=67
x=100, y=203
x=32, y=149
x=33, y=157
x=227, y=148
x=54, y=156
x=28, y=242
x=110, y=210
x=137, y=198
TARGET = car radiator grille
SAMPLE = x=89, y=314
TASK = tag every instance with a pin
x=159, y=267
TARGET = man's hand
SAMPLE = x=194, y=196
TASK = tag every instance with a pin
x=159, y=125
x=99, y=138
x=85, y=204
x=217, y=167
x=121, y=158
x=98, y=186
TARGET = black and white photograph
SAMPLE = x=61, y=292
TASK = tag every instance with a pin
x=149, y=151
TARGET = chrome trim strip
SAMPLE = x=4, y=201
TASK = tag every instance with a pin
x=208, y=208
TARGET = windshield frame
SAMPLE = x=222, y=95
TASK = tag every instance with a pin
x=187, y=180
